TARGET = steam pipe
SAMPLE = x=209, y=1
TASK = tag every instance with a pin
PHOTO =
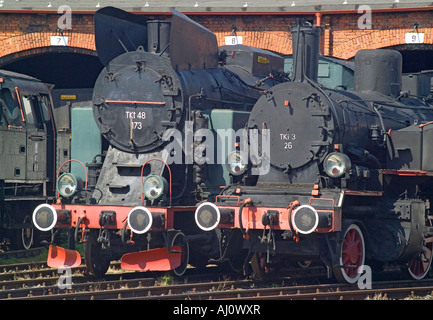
x=318, y=19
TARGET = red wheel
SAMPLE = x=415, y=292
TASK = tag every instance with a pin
x=352, y=255
x=420, y=264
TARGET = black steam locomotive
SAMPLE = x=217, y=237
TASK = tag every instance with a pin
x=164, y=94
x=340, y=177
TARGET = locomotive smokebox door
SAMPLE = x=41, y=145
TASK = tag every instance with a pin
x=284, y=115
x=136, y=99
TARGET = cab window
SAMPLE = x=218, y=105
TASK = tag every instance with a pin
x=44, y=102
x=10, y=107
x=28, y=113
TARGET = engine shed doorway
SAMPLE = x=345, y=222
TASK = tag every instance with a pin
x=417, y=60
x=65, y=70
x=416, y=57
x=72, y=71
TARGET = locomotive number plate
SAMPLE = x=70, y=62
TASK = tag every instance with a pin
x=288, y=139
x=133, y=115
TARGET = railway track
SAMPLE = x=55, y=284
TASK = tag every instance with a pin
x=37, y=282
x=21, y=253
x=145, y=289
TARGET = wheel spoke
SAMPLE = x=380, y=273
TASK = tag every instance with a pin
x=420, y=264
x=352, y=255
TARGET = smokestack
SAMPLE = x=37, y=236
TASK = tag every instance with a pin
x=306, y=41
x=158, y=36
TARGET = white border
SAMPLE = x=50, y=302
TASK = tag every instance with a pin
x=53, y=211
x=315, y=214
x=218, y=218
x=149, y=214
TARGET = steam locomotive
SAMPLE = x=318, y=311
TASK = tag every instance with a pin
x=165, y=92
x=342, y=178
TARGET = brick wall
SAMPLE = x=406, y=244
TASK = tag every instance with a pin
x=26, y=33
x=388, y=29
x=17, y=24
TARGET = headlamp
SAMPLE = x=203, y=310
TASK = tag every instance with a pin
x=336, y=164
x=154, y=186
x=68, y=185
x=236, y=163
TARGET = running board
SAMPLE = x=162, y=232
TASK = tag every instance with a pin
x=160, y=259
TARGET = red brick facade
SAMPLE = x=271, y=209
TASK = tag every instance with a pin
x=388, y=29
x=24, y=34
x=28, y=33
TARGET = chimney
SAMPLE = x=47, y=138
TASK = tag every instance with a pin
x=306, y=41
x=158, y=36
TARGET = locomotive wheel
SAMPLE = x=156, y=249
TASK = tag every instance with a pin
x=351, y=255
x=304, y=264
x=24, y=237
x=260, y=267
x=27, y=234
x=236, y=264
x=97, y=262
x=179, y=240
x=420, y=264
